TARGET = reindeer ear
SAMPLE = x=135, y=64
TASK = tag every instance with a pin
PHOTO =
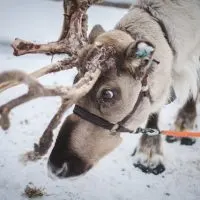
x=140, y=50
x=139, y=56
x=95, y=32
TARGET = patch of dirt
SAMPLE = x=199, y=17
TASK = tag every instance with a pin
x=32, y=191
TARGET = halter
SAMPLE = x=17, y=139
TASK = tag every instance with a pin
x=118, y=127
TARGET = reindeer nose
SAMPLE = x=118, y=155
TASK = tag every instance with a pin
x=64, y=161
x=73, y=167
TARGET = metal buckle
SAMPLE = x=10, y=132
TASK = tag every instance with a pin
x=148, y=131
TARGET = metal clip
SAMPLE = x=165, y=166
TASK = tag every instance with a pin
x=148, y=131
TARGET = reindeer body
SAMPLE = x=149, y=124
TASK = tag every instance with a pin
x=153, y=30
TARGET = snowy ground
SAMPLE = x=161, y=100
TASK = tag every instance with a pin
x=114, y=178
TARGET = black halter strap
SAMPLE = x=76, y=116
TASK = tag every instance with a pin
x=94, y=119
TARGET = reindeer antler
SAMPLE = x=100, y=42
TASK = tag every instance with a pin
x=65, y=64
x=72, y=39
x=69, y=96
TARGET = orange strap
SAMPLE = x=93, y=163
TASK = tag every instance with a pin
x=181, y=133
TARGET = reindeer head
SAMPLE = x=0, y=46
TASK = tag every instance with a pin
x=119, y=98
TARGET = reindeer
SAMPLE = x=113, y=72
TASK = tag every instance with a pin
x=124, y=78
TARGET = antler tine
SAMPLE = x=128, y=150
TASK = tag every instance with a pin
x=64, y=64
x=35, y=90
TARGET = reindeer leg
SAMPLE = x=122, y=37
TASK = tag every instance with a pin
x=149, y=154
x=186, y=120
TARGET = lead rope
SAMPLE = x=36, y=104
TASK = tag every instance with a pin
x=154, y=132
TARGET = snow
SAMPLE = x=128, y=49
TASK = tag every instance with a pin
x=114, y=177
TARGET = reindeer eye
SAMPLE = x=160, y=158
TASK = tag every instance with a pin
x=107, y=94
x=108, y=97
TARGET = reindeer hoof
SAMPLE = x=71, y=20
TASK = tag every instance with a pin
x=188, y=141
x=157, y=170
x=142, y=167
x=148, y=155
x=153, y=165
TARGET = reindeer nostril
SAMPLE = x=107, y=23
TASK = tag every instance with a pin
x=63, y=171
x=57, y=171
